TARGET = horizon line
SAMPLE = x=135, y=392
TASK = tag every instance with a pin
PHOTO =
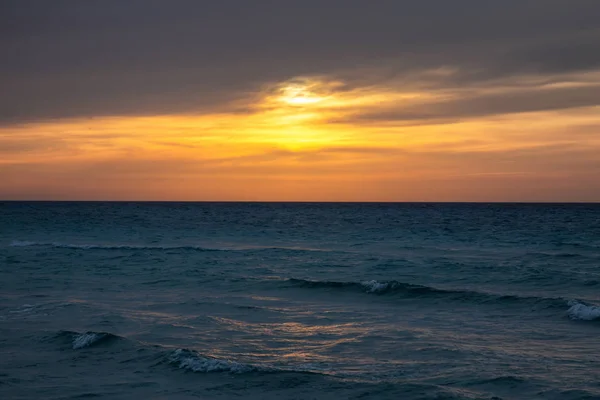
x=299, y=201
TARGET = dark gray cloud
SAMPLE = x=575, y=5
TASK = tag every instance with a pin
x=482, y=104
x=67, y=58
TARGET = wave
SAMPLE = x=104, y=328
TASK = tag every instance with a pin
x=19, y=243
x=578, y=310
x=25, y=243
x=192, y=361
x=583, y=312
x=182, y=358
x=502, y=380
x=88, y=339
x=376, y=287
x=185, y=359
x=419, y=291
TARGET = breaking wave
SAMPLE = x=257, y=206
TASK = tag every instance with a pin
x=578, y=310
x=88, y=339
x=192, y=361
x=583, y=312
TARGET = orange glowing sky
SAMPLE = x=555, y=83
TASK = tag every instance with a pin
x=363, y=132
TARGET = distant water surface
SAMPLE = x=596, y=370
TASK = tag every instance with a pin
x=299, y=301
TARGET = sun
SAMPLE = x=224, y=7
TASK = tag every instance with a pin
x=299, y=95
x=301, y=92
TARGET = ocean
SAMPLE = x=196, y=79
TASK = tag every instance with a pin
x=132, y=300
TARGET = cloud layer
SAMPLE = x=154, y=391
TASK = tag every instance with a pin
x=70, y=58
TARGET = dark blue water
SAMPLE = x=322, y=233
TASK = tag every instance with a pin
x=299, y=301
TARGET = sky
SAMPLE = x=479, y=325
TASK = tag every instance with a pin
x=300, y=100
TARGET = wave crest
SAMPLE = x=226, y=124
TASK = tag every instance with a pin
x=382, y=287
x=395, y=286
x=583, y=312
x=88, y=339
x=192, y=361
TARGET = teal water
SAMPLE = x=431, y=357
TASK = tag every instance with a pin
x=299, y=301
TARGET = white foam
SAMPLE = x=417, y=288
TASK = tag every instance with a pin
x=375, y=286
x=86, y=339
x=189, y=360
x=25, y=308
x=583, y=312
x=25, y=243
x=22, y=243
x=29, y=311
x=28, y=243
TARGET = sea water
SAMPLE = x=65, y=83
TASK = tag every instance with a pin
x=299, y=301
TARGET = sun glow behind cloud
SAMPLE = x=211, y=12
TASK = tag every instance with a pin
x=301, y=93
x=318, y=138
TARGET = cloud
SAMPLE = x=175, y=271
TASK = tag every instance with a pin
x=143, y=57
x=461, y=105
